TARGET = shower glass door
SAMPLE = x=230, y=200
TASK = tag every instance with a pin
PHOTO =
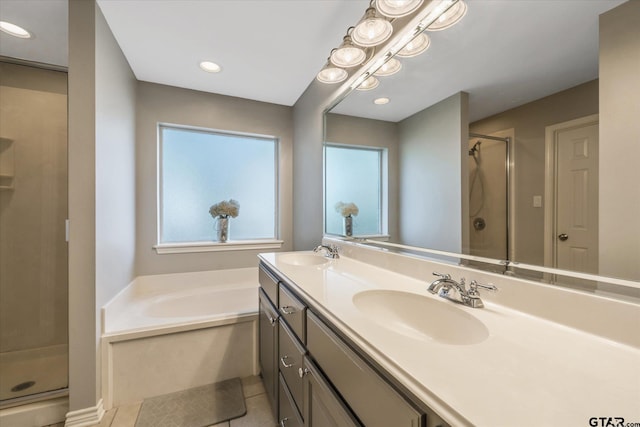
x=33, y=249
x=488, y=201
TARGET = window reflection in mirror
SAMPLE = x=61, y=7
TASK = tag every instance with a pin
x=354, y=187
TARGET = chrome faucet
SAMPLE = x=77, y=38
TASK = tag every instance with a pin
x=331, y=251
x=448, y=288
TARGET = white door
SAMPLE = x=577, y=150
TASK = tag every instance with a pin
x=576, y=228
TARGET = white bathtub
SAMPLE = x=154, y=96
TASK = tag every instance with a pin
x=170, y=332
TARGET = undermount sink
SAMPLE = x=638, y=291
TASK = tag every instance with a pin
x=307, y=259
x=421, y=317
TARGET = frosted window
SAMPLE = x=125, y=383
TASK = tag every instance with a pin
x=354, y=175
x=200, y=168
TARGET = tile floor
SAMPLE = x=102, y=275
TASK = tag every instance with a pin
x=258, y=410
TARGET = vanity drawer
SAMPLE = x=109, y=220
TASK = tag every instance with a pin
x=269, y=284
x=371, y=398
x=288, y=415
x=290, y=358
x=292, y=310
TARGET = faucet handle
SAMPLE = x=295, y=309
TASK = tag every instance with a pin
x=442, y=276
x=474, y=285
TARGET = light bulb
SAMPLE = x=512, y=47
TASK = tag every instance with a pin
x=415, y=47
x=390, y=67
x=397, y=8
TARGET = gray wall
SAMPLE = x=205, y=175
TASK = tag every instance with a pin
x=351, y=130
x=101, y=189
x=433, y=161
x=83, y=369
x=529, y=122
x=308, y=136
x=165, y=104
x=619, y=227
x=115, y=167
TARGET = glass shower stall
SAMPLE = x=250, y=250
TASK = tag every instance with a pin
x=33, y=247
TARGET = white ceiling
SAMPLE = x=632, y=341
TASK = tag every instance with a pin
x=504, y=52
x=269, y=50
x=47, y=22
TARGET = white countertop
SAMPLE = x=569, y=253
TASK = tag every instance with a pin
x=528, y=372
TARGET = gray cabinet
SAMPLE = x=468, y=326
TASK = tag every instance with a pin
x=316, y=378
x=370, y=397
x=290, y=354
x=268, y=344
x=323, y=408
x=288, y=416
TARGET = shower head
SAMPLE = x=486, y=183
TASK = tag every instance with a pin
x=475, y=148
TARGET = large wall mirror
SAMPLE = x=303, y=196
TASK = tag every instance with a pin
x=501, y=140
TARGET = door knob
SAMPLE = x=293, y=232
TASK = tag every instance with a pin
x=563, y=237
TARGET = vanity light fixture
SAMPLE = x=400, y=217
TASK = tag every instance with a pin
x=368, y=84
x=381, y=101
x=210, y=67
x=390, y=67
x=397, y=8
x=331, y=74
x=14, y=30
x=415, y=47
x=348, y=54
x=450, y=17
x=372, y=29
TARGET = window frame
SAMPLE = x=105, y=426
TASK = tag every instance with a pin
x=383, y=188
x=213, y=246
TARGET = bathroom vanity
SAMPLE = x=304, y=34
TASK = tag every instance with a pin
x=344, y=343
x=315, y=376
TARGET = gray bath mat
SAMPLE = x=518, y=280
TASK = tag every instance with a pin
x=196, y=407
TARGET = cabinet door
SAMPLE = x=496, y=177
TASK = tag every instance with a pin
x=368, y=395
x=290, y=354
x=323, y=408
x=268, y=344
x=288, y=415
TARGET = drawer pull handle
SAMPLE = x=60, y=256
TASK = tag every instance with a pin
x=302, y=372
x=287, y=309
x=285, y=364
x=272, y=320
x=283, y=421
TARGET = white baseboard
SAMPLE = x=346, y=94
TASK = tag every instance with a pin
x=42, y=413
x=85, y=417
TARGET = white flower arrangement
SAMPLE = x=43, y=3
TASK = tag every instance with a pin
x=347, y=209
x=225, y=209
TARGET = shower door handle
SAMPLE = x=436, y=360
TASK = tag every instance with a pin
x=563, y=237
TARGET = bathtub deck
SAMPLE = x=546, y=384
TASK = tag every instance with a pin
x=139, y=306
x=154, y=344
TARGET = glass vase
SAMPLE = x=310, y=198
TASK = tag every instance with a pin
x=222, y=229
x=347, y=226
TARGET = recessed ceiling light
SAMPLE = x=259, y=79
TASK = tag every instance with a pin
x=210, y=67
x=14, y=30
x=381, y=101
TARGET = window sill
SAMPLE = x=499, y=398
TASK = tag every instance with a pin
x=237, y=245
